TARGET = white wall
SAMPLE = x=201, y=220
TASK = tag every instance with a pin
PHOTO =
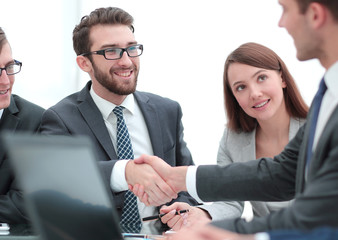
x=186, y=43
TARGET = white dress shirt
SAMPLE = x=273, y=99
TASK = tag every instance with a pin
x=1, y=111
x=329, y=102
x=139, y=137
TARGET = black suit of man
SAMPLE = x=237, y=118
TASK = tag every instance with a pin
x=77, y=114
x=20, y=116
x=279, y=179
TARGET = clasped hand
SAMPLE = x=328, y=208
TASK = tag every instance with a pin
x=154, y=181
x=157, y=188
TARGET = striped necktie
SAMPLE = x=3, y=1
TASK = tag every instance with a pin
x=130, y=219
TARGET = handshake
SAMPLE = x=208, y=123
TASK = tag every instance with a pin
x=154, y=181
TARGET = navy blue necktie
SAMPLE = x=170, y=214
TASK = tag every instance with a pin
x=317, y=101
x=130, y=219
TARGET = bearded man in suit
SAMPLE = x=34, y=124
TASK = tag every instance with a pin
x=106, y=49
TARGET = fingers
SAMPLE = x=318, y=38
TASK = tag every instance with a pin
x=166, y=190
x=160, y=166
x=139, y=192
x=144, y=159
x=152, y=177
x=144, y=199
x=175, y=177
x=159, y=192
x=168, y=216
x=157, y=196
x=137, y=189
x=174, y=221
x=177, y=206
x=139, y=160
x=194, y=216
x=156, y=191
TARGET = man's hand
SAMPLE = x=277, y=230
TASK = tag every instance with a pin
x=207, y=232
x=152, y=184
x=174, y=176
x=176, y=222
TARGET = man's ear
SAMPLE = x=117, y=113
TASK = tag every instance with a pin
x=84, y=63
x=317, y=14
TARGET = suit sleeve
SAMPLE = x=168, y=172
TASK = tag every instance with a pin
x=224, y=209
x=52, y=123
x=315, y=205
x=264, y=180
x=323, y=233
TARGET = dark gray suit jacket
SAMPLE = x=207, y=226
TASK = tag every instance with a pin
x=77, y=114
x=281, y=179
x=20, y=116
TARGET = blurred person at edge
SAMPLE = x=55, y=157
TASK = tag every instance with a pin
x=16, y=115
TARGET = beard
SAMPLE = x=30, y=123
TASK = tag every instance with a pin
x=114, y=85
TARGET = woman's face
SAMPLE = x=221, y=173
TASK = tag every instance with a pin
x=258, y=91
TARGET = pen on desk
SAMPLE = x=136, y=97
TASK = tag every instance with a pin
x=134, y=235
x=141, y=236
x=161, y=215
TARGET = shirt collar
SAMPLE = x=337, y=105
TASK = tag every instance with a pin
x=331, y=79
x=107, y=107
x=1, y=111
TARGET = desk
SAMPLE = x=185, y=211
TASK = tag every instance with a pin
x=10, y=237
x=20, y=232
x=25, y=232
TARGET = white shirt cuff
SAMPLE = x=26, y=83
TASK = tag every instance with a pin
x=190, y=182
x=118, y=180
x=262, y=236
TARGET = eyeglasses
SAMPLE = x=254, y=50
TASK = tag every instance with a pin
x=12, y=68
x=117, y=53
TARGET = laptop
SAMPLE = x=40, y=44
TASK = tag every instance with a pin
x=65, y=194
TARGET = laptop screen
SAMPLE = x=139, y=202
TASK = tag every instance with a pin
x=65, y=195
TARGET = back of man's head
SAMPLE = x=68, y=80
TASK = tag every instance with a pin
x=331, y=5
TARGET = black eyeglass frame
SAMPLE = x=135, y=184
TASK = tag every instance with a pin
x=103, y=52
x=16, y=62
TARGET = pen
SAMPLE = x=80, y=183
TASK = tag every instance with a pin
x=140, y=235
x=161, y=215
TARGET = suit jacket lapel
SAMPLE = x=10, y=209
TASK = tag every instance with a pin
x=320, y=152
x=249, y=146
x=9, y=123
x=152, y=121
x=93, y=117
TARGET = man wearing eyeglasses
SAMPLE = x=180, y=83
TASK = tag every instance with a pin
x=16, y=114
x=107, y=50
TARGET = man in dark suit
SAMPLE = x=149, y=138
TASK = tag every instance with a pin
x=107, y=50
x=16, y=114
x=304, y=170
x=213, y=233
